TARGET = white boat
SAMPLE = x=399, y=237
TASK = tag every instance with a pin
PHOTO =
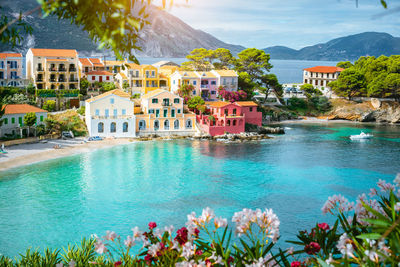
x=362, y=135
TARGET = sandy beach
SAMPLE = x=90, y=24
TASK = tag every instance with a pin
x=25, y=154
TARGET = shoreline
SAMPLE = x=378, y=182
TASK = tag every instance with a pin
x=316, y=120
x=27, y=154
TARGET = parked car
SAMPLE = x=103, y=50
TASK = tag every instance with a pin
x=67, y=134
x=95, y=138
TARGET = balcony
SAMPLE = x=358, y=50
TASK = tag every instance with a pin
x=62, y=80
x=73, y=80
x=52, y=80
x=166, y=104
x=205, y=86
x=62, y=69
x=39, y=69
x=52, y=69
x=39, y=79
x=72, y=69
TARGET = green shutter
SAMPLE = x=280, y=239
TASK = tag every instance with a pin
x=12, y=120
x=41, y=118
x=157, y=113
x=5, y=121
x=165, y=112
x=20, y=121
x=172, y=112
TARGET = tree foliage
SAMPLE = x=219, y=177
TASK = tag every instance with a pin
x=269, y=82
x=201, y=59
x=49, y=105
x=310, y=91
x=195, y=102
x=344, y=64
x=84, y=85
x=30, y=119
x=351, y=83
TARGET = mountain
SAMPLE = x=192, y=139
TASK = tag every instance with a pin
x=345, y=48
x=166, y=36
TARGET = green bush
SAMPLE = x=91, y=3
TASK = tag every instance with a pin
x=49, y=105
x=297, y=103
x=81, y=111
x=321, y=103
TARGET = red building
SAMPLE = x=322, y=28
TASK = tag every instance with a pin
x=228, y=117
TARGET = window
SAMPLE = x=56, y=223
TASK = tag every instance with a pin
x=234, y=122
x=153, y=73
x=151, y=111
x=154, y=100
x=165, y=113
x=173, y=113
x=157, y=113
x=142, y=125
x=12, y=120
x=108, y=78
x=111, y=100
x=226, y=112
x=1, y=75
x=123, y=111
x=194, y=92
x=233, y=81
x=173, y=82
x=228, y=123
x=234, y=111
x=166, y=125
x=189, y=124
x=147, y=84
x=156, y=125
x=125, y=127
x=179, y=111
x=194, y=82
x=97, y=112
x=93, y=78
x=176, y=125
x=115, y=112
x=41, y=118
x=224, y=81
x=100, y=127
x=5, y=121
x=213, y=83
x=106, y=113
x=213, y=92
x=176, y=100
x=113, y=127
x=251, y=109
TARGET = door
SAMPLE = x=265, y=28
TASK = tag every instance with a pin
x=100, y=78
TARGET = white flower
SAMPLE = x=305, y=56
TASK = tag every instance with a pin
x=158, y=233
x=169, y=229
x=153, y=249
x=71, y=263
x=372, y=255
x=129, y=242
x=261, y=262
x=397, y=180
x=397, y=206
x=207, y=215
x=187, y=250
x=136, y=233
x=385, y=187
x=60, y=264
x=338, y=201
x=345, y=246
x=191, y=263
x=220, y=222
x=215, y=258
x=175, y=244
x=192, y=219
x=110, y=235
x=100, y=247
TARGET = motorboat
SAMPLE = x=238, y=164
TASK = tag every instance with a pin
x=361, y=136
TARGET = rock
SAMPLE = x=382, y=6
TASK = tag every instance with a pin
x=376, y=103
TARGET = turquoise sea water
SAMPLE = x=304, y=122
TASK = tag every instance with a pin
x=60, y=201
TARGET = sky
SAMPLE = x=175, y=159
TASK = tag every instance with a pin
x=292, y=23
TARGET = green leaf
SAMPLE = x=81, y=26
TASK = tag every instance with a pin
x=373, y=236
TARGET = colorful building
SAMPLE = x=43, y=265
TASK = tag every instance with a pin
x=111, y=115
x=141, y=79
x=163, y=113
x=227, y=79
x=11, y=70
x=225, y=117
x=181, y=78
x=321, y=76
x=165, y=75
x=13, y=118
x=53, y=68
x=113, y=66
x=87, y=65
x=100, y=76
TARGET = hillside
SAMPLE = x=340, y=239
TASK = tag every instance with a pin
x=166, y=36
x=345, y=48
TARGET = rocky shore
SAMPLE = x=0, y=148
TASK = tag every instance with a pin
x=369, y=111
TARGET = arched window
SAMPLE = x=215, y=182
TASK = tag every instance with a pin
x=189, y=124
x=125, y=127
x=100, y=127
x=228, y=123
x=53, y=86
x=142, y=125
x=234, y=122
x=166, y=125
x=156, y=125
x=176, y=124
x=61, y=86
x=113, y=127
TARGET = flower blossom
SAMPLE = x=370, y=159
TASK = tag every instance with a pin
x=312, y=248
x=188, y=250
x=110, y=235
x=385, y=187
x=152, y=225
x=397, y=206
x=338, y=201
x=220, y=222
x=129, y=242
x=323, y=226
x=295, y=264
x=207, y=215
x=136, y=233
x=345, y=246
x=154, y=249
x=100, y=247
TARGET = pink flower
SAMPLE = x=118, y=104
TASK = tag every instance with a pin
x=385, y=187
x=110, y=235
x=323, y=226
x=312, y=248
x=295, y=264
x=152, y=225
x=117, y=263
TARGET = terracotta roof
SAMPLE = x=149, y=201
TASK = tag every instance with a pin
x=54, y=52
x=98, y=64
x=21, y=109
x=324, y=69
x=116, y=92
x=113, y=62
x=56, y=59
x=218, y=104
x=153, y=93
x=85, y=62
x=246, y=103
x=100, y=72
x=207, y=74
x=95, y=60
x=229, y=73
x=6, y=55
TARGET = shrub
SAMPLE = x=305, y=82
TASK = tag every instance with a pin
x=321, y=103
x=297, y=103
x=49, y=105
x=81, y=110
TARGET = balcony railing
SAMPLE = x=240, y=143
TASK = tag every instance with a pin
x=52, y=69
x=62, y=69
x=73, y=80
x=112, y=117
x=205, y=86
x=39, y=79
x=72, y=69
x=62, y=80
x=166, y=104
x=53, y=80
x=39, y=69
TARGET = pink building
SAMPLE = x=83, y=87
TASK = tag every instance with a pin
x=11, y=70
x=228, y=117
x=208, y=86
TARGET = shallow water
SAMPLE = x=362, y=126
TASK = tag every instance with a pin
x=60, y=201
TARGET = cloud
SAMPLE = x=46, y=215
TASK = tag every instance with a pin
x=294, y=23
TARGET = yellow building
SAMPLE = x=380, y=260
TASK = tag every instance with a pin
x=165, y=75
x=163, y=114
x=140, y=79
x=113, y=66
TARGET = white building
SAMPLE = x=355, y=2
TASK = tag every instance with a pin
x=13, y=118
x=111, y=115
x=321, y=76
x=100, y=76
x=227, y=79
